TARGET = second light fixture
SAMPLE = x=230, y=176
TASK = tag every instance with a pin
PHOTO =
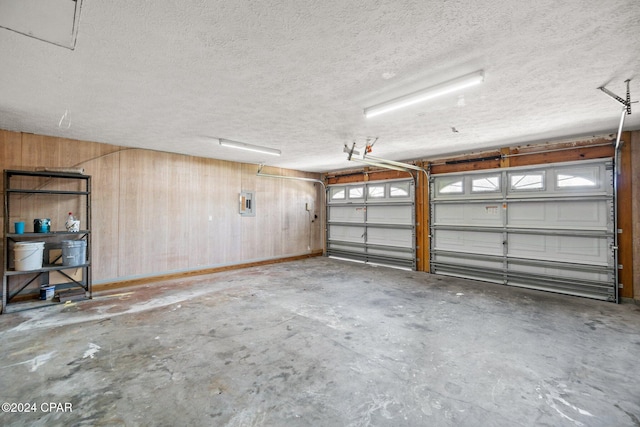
x=248, y=147
x=441, y=89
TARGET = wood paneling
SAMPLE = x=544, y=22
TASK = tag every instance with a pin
x=11, y=149
x=105, y=204
x=422, y=222
x=366, y=175
x=565, y=152
x=467, y=163
x=158, y=213
x=143, y=217
x=625, y=219
x=635, y=211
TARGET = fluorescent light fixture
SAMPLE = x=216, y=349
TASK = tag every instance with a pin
x=249, y=147
x=426, y=94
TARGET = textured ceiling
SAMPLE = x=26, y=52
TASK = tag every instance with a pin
x=296, y=75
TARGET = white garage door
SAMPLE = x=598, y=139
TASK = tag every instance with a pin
x=372, y=222
x=547, y=227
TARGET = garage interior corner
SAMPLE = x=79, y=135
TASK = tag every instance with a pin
x=323, y=342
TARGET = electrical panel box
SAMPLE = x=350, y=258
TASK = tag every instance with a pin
x=247, y=204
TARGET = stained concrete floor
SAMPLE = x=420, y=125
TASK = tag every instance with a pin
x=322, y=342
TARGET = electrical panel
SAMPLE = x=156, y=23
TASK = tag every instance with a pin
x=247, y=204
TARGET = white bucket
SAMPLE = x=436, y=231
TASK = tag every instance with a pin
x=74, y=252
x=28, y=255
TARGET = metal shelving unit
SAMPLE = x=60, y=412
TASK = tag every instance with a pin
x=14, y=282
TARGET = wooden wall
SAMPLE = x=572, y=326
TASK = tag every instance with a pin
x=635, y=210
x=155, y=213
x=625, y=220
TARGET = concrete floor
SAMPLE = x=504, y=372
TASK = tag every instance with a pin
x=322, y=342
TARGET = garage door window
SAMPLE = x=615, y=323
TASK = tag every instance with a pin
x=376, y=191
x=577, y=178
x=527, y=181
x=338, y=193
x=451, y=187
x=356, y=192
x=399, y=189
x=486, y=184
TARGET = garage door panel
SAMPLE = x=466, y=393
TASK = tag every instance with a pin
x=590, y=214
x=346, y=234
x=390, y=237
x=348, y=248
x=570, y=214
x=480, y=214
x=557, y=223
x=470, y=268
x=451, y=214
x=372, y=222
x=598, y=291
x=468, y=241
x=531, y=245
x=346, y=214
x=585, y=250
x=390, y=253
x=526, y=214
x=402, y=215
x=602, y=275
x=460, y=259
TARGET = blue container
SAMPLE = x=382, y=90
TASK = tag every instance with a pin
x=19, y=227
x=42, y=225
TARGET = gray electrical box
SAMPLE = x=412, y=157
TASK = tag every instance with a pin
x=247, y=204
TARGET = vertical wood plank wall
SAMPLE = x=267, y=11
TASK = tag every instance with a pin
x=635, y=210
x=625, y=220
x=422, y=221
x=151, y=210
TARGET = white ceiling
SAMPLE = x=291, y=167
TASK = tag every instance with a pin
x=296, y=75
